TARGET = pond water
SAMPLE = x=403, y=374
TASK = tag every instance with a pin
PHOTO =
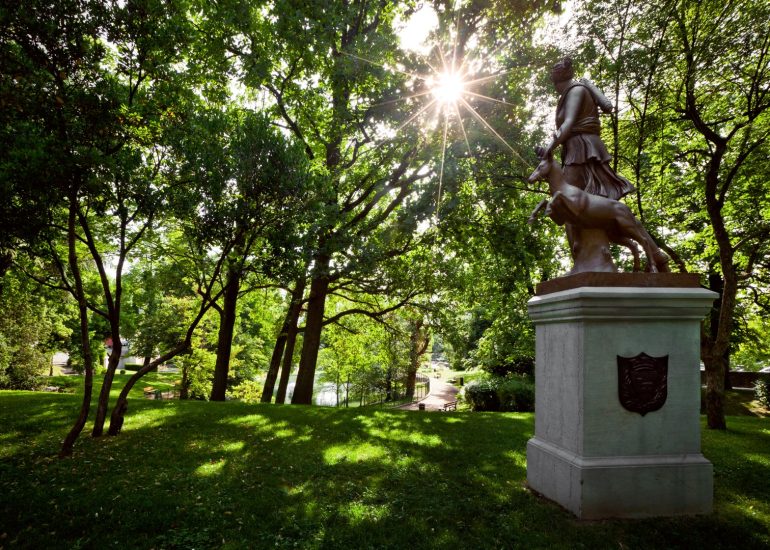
x=324, y=393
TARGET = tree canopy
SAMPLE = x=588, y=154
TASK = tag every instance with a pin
x=257, y=190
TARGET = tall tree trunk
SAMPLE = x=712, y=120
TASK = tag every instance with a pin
x=418, y=340
x=225, y=340
x=714, y=358
x=389, y=385
x=275, y=362
x=88, y=383
x=295, y=306
x=288, y=361
x=319, y=287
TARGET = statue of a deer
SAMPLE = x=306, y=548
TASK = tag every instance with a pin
x=572, y=205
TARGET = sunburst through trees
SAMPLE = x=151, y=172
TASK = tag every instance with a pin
x=444, y=95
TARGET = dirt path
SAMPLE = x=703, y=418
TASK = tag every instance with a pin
x=440, y=394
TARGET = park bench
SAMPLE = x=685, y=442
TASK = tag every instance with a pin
x=152, y=393
x=450, y=406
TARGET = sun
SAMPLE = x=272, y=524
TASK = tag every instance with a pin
x=448, y=88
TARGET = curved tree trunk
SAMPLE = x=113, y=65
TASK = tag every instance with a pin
x=121, y=406
x=715, y=357
x=104, y=394
x=88, y=362
x=225, y=340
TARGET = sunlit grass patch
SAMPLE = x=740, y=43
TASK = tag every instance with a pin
x=353, y=452
x=211, y=468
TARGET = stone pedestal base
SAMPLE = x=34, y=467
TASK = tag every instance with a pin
x=623, y=486
x=590, y=453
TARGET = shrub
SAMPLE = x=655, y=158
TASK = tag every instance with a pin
x=512, y=393
x=133, y=367
x=762, y=391
x=248, y=391
x=516, y=393
x=481, y=395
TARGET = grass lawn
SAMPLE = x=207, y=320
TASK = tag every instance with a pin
x=232, y=475
x=74, y=384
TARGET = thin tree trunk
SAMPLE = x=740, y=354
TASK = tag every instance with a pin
x=418, y=340
x=121, y=405
x=119, y=411
x=184, y=390
x=288, y=361
x=295, y=305
x=319, y=286
x=275, y=362
x=715, y=356
x=88, y=384
x=225, y=340
x=104, y=394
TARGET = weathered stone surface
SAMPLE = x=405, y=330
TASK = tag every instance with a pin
x=589, y=453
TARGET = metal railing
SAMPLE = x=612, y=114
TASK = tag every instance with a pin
x=397, y=394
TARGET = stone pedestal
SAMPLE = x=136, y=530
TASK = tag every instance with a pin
x=590, y=453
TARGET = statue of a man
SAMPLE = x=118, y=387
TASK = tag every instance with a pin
x=585, y=159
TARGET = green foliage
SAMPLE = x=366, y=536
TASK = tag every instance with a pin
x=32, y=326
x=762, y=391
x=496, y=393
x=197, y=368
x=248, y=391
x=481, y=395
x=516, y=393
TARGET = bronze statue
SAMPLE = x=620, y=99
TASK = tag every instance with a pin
x=585, y=159
x=585, y=190
x=600, y=220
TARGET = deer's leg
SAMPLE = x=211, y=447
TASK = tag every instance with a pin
x=630, y=227
x=631, y=245
x=533, y=216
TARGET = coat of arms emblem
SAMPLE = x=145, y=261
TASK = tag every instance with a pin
x=642, y=382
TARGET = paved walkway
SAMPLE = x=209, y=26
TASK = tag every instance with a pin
x=440, y=394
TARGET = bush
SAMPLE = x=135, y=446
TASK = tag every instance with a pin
x=516, y=393
x=133, y=367
x=762, y=391
x=481, y=395
x=248, y=391
x=512, y=393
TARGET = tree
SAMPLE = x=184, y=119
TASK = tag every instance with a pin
x=32, y=324
x=253, y=195
x=701, y=77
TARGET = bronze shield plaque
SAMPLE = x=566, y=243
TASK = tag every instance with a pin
x=642, y=382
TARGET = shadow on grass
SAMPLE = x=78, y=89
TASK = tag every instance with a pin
x=250, y=476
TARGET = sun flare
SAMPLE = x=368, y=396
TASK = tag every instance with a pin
x=448, y=88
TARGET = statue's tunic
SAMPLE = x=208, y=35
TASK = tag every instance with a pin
x=584, y=156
